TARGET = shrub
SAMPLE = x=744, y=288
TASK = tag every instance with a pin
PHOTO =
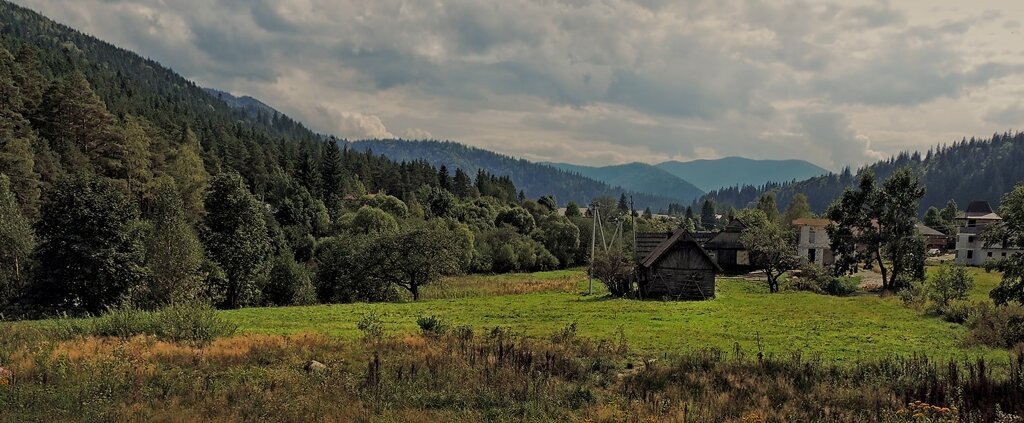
x=911, y=295
x=949, y=283
x=123, y=322
x=615, y=269
x=566, y=335
x=817, y=279
x=371, y=326
x=432, y=325
x=957, y=311
x=841, y=287
x=195, y=323
x=996, y=326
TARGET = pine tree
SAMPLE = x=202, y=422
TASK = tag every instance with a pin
x=90, y=255
x=798, y=208
x=768, y=205
x=333, y=170
x=707, y=215
x=443, y=179
x=623, y=203
x=129, y=161
x=235, y=235
x=174, y=255
x=461, y=184
x=16, y=244
x=17, y=159
x=77, y=122
x=186, y=167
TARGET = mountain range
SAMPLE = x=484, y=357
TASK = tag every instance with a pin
x=534, y=179
x=653, y=186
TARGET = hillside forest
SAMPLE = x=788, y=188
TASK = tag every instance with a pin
x=125, y=184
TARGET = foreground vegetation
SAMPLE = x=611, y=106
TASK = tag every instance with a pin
x=516, y=347
x=472, y=375
x=844, y=329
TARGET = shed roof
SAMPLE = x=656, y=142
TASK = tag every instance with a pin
x=927, y=231
x=680, y=236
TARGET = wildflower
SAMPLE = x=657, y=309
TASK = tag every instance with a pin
x=5, y=376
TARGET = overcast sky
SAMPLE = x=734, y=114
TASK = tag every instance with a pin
x=601, y=82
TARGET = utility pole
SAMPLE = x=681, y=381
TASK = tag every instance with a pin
x=632, y=217
x=593, y=246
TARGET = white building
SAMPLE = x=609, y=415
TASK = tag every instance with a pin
x=970, y=248
x=813, y=244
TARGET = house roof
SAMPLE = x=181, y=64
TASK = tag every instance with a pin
x=980, y=210
x=680, y=236
x=808, y=221
x=927, y=231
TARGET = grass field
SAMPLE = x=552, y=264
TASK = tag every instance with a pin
x=539, y=368
x=849, y=329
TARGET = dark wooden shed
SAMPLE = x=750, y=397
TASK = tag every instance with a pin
x=727, y=250
x=678, y=268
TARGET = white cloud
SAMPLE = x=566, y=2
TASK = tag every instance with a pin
x=834, y=82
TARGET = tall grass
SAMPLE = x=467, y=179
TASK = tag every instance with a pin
x=464, y=376
x=195, y=323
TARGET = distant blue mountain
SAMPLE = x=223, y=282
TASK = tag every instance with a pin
x=710, y=175
x=639, y=177
x=535, y=179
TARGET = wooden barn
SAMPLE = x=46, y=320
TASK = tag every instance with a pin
x=727, y=250
x=677, y=267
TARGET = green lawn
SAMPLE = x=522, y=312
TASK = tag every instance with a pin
x=839, y=329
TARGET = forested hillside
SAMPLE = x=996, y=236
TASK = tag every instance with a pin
x=966, y=170
x=122, y=183
x=639, y=177
x=534, y=179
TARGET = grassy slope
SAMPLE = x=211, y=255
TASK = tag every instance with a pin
x=841, y=329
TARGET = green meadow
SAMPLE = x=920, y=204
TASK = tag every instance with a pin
x=841, y=329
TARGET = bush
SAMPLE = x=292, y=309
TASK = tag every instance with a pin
x=911, y=295
x=949, y=283
x=614, y=269
x=192, y=323
x=996, y=326
x=817, y=279
x=196, y=323
x=372, y=326
x=432, y=325
x=841, y=287
x=957, y=311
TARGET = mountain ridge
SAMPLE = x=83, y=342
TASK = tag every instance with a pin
x=711, y=174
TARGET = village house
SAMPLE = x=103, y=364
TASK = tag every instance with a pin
x=934, y=240
x=727, y=250
x=675, y=267
x=970, y=248
x=813, y=244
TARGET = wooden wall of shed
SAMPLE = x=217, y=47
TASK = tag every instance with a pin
x=678, y=284
x=683, y=273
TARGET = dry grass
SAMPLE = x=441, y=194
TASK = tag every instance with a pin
x=495, y=376
x=501, y=285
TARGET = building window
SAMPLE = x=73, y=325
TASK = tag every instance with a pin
x=970, y=240
x=970, y=254
x=990, y=254
x=813, y=236
x=1004, y=253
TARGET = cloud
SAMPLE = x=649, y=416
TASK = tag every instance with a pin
x=831, y=132
x=353, y=125
x=596, y=82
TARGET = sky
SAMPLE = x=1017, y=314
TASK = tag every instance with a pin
x=836, y=83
